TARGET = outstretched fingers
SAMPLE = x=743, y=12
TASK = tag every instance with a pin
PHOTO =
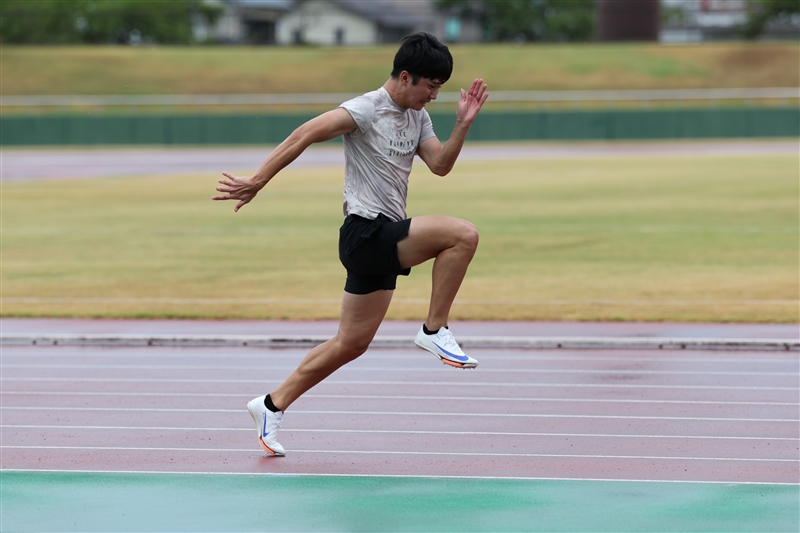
x=235, y=189
x=227, y=186
x=476, y=87
x=472, y=101
x=478, y=91
x=476, y=94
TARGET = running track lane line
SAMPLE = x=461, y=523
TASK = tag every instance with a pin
x=394, y=397
x=399, y=432
x=405, y=452
x=392, y=476
x=296, y=353
x=399, y=413
x=261, y=382
x=355, y=368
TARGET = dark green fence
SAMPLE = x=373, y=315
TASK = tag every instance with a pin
x=490, y=126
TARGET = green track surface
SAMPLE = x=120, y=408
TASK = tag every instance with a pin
x=46, y=501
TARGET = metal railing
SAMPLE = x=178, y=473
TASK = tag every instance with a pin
x=509, y=97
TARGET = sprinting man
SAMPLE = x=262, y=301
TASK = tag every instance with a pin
x=383, y=130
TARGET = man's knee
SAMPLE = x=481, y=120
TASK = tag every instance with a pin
x=351, y=348
x=468, y=235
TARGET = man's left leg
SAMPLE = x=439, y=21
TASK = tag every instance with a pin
x=361, y=316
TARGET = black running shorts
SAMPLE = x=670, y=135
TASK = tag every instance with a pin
x=368, y=250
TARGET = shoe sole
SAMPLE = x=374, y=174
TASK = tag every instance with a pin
x=268, y=449
x=448, y=362
x=260, y=439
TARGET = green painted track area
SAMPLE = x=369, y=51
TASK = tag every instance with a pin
x=47, y=501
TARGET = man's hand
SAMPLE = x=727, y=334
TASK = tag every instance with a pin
x=471, y=102
x=441, y=158
x=242, y=189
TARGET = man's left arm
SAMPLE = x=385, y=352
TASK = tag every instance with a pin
x=440, y=158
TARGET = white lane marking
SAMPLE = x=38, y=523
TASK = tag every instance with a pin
x=386, y=452
x=385, y=476
x=394, y=413
x=261, y=382
x=395, y=397
x=398, y=432
x=295, y=353
x=615, y=372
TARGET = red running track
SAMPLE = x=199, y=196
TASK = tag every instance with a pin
x=709, y=416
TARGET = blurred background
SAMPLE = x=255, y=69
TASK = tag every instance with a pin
x=636, y=160
x=205, y=71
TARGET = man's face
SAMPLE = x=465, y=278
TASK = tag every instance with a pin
x=423, y=92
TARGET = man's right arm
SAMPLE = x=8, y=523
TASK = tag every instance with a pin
x=441, y=158
x=320, y=129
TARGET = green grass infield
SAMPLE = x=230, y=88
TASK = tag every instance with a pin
x=610, y=238
x=31, y=70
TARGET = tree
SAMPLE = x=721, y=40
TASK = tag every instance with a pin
x=528, y=20
x=100, y=21
x=761, y=12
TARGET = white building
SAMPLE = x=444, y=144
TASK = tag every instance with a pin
x=244, y=21
x=365, y=23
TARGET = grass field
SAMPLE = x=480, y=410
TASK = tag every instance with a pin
x=655, y=239
x=29, y=70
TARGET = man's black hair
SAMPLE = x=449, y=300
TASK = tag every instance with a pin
x=423, y=56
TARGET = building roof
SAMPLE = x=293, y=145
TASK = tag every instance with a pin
x=277, y=5
x=384, y=13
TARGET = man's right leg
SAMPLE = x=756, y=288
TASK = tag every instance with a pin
x=361, y=315
x=451, y=243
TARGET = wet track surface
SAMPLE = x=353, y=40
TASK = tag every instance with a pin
x=725, y=416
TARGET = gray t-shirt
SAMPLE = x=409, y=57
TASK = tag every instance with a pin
x=378, y=155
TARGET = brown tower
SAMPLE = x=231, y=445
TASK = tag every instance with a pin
x=627, y=20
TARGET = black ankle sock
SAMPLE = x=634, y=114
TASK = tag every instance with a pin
x=426, y=331
x=269, y=405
